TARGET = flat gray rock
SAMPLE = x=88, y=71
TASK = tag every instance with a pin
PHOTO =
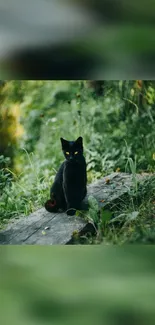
x=44, y=228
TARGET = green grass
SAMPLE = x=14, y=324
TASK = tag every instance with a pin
x=24, y=193
x=131, y=219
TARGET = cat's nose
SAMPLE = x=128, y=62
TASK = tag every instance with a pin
x=70, y=157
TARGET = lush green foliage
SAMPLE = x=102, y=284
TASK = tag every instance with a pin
x=117, y=127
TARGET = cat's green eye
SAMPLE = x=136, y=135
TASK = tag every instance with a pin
x=67, y=153
x=76, y=152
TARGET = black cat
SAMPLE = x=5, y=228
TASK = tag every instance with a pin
x=69, y=187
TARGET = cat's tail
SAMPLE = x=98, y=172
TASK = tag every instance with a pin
x=51, y=206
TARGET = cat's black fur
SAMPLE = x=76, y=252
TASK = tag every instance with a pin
x=69, y=187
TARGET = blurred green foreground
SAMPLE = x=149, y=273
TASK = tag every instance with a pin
x=42, y=285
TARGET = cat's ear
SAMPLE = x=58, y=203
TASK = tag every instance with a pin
x=63, y=143
x=80, y=141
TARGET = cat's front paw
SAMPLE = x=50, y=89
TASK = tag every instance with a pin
x=71, y=212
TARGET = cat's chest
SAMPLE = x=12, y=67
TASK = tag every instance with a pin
x=73, y=171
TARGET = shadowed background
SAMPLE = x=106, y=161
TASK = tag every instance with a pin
x=77, y=39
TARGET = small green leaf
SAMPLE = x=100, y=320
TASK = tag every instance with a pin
x=93, y=203
x=93, y=215
x=133, y=215
x=121, y=217
x=105, y=215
